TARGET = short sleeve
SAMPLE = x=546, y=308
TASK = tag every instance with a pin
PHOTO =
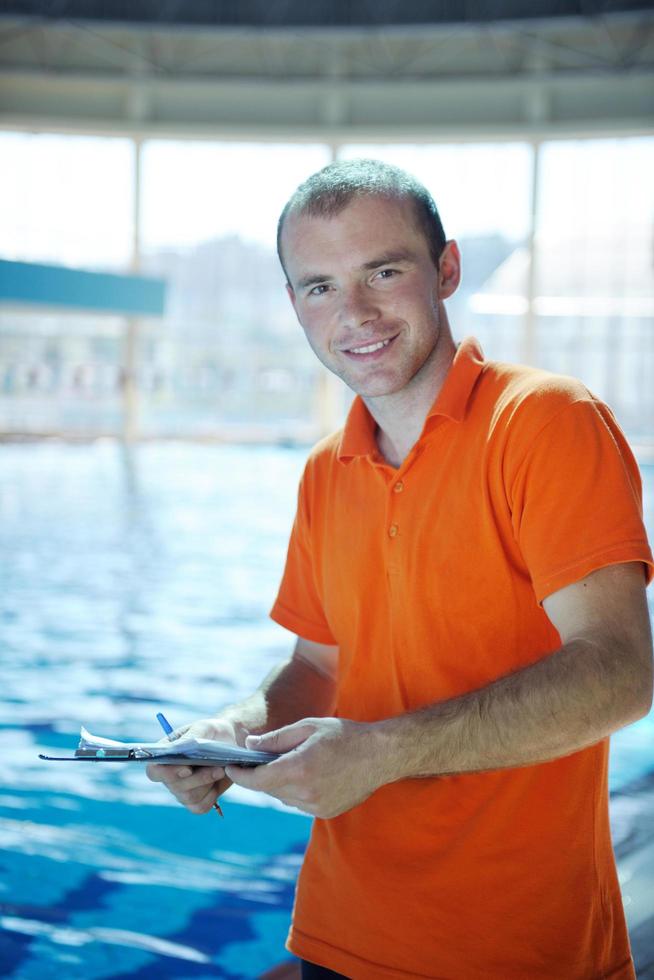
x=298, y=607
x=576, y=499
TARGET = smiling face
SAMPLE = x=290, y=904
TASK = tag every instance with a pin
x=367, y=293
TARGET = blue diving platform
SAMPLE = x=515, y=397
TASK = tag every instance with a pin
x=34, y=284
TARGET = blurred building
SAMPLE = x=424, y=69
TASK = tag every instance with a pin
x=166, y=141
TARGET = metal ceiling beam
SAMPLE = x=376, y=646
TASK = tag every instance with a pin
x=583, y=76
x=320, y=13
x=543, y=101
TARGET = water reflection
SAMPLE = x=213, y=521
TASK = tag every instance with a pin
x=137, y=580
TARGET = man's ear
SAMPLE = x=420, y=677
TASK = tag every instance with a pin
x=449, y=270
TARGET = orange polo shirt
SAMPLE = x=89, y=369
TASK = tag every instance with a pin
x=430, y=579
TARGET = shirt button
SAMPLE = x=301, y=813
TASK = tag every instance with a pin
x=399, y=487
x=392, y=531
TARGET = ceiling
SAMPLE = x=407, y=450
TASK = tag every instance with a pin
x=319, y=13
x=332, y=71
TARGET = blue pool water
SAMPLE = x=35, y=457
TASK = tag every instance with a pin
x=133, y=583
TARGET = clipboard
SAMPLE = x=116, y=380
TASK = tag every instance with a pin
x=188, y=751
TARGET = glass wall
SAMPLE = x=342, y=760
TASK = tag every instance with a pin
x=67, y=200
x=594, y=273
x=228, y=358
x=483, y=194
x=589, y=300
x=64, y=200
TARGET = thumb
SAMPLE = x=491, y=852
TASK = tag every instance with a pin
x=282, y=739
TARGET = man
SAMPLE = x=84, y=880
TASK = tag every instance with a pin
x=466, y=578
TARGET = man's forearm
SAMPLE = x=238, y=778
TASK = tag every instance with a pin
x=565, y=702
x=293, y=689
x=598, y=681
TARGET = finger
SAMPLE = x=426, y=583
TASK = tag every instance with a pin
x=198, y=797
x=249, y=777
x=282, y=739
x=222, y=786
x=156, y=773
x=200, y=776
x=160, y=773
x=175, y=734
x=201, y=800
x=186, y=778
x=214, y=792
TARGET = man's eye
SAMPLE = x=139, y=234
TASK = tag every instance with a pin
x=319, y=290
x=386, y=273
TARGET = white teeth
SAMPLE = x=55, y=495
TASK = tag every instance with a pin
x=370, y=348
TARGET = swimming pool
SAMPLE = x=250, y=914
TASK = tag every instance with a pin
x=133, y=583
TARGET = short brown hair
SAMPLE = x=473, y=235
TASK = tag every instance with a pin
x=331, y=189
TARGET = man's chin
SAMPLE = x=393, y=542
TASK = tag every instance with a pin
x=371, y=386
x=374, y=389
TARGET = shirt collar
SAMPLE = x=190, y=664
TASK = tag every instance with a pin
x=358, y=437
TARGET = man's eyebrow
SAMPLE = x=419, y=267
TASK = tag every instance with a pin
x=388, y=258
x=312, y=279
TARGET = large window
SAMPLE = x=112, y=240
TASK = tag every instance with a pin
x=229, y=356
x=64, y=200
x=581, y=301
x=67, y=200
x=571, y=291
x=483, y=193
x=594, y=271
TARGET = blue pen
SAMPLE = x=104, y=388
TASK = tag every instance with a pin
x=168, y=729
x=165, y=724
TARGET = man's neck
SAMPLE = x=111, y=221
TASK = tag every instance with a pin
x=400, y=417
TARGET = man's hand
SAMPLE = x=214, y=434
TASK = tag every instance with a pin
x=199, y=787
x=302, y=684
x=328, y=766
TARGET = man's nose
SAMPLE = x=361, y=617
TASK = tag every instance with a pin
x=358, y=306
